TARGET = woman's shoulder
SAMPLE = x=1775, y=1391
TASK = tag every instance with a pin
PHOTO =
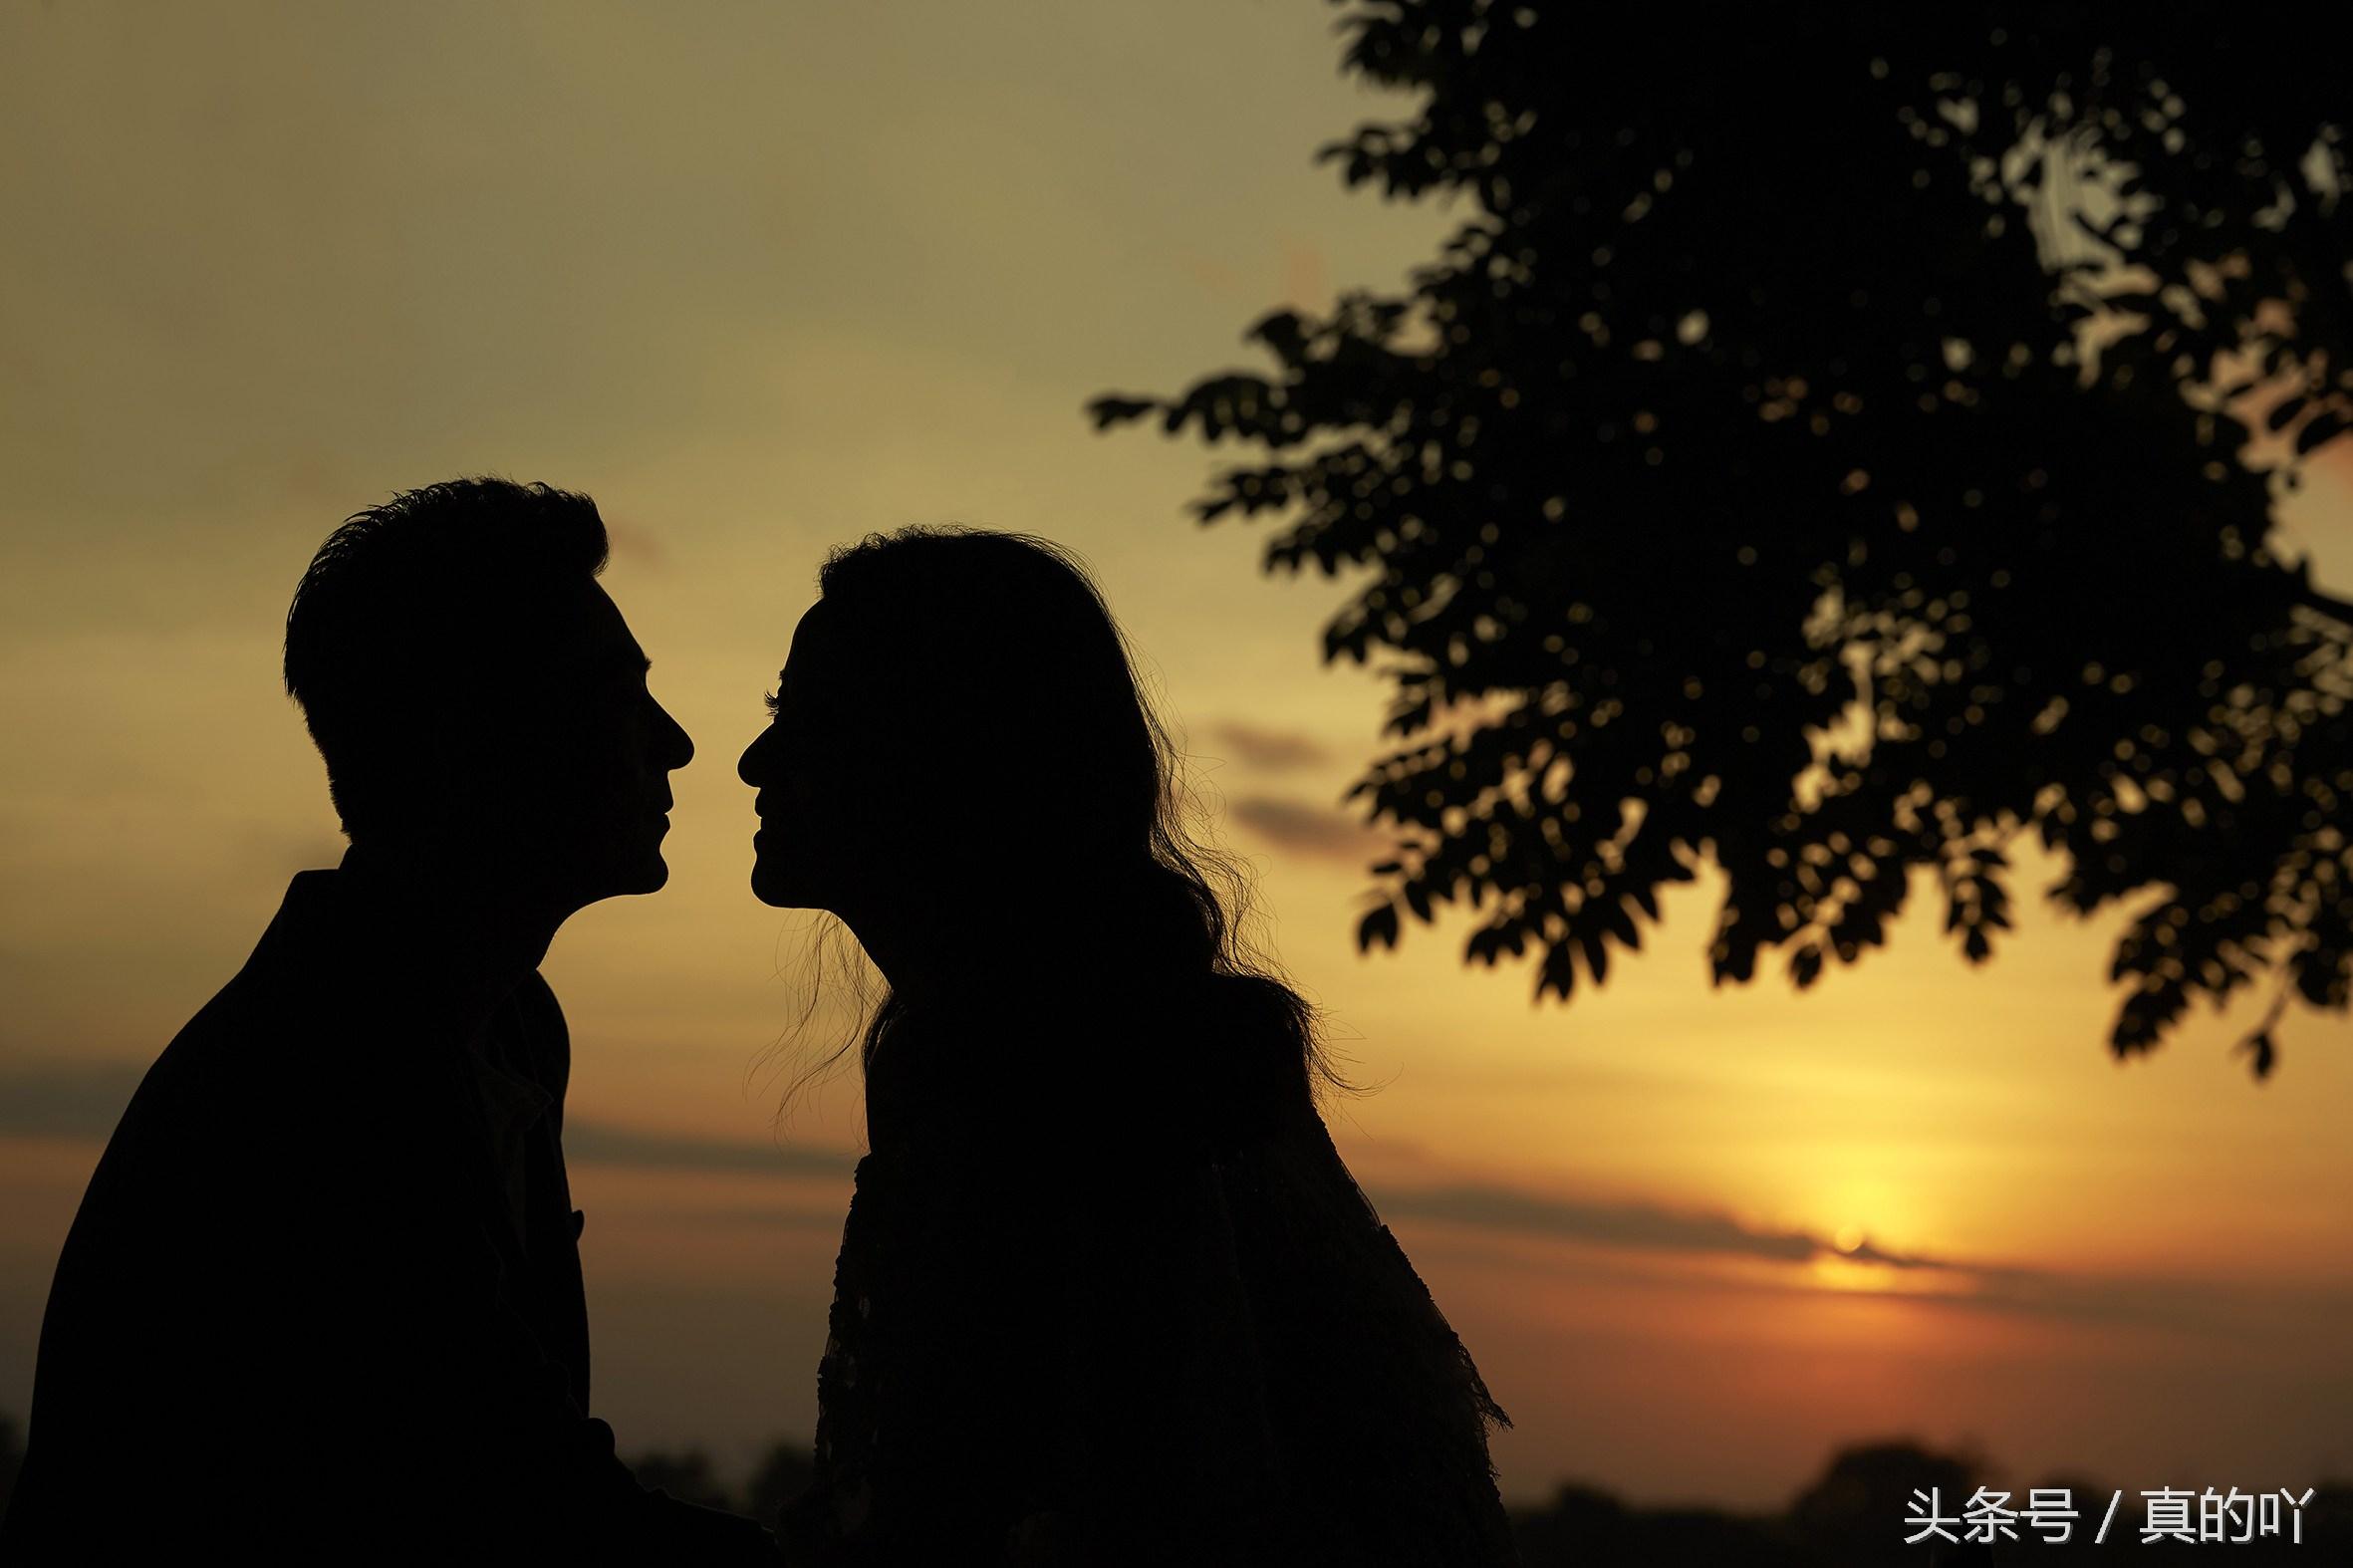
x=1106, y=1061
x=1237, y=1052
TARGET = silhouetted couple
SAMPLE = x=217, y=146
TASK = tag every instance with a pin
x=1105, y=1292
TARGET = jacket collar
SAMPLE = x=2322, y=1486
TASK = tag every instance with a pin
x=389, y=958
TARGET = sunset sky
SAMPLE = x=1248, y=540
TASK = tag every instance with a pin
x=761, y=278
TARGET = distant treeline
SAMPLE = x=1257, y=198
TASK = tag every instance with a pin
x=1854, y=1513
x=1857, y=1512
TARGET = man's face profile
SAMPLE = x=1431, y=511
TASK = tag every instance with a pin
x=568, y=757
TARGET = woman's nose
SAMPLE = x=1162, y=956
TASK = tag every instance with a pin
x=747, y=766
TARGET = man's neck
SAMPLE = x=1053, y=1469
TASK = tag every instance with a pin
x=480, y=932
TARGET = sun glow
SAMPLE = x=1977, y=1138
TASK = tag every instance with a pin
x=1864, y=1265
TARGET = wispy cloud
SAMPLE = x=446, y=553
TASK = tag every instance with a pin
x=1268, y=750
x=2247, y=1309
x=641, y=549
x=51, y=1099
x=825, y=1219
x=1632, y=1225
x=1472, y=1204
x=608, y=1144
x=1300, y=826
x=84, y=1100
x=56, y=1098
x=66, y=1099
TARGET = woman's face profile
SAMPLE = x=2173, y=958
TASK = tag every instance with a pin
x=815, y=806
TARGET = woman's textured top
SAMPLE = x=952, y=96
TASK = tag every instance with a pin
x=1108, y=1294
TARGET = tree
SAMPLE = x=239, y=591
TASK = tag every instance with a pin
x=781, y=1478
x=685, y=1475
x=1824, y=449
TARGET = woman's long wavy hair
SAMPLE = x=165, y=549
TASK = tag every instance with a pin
x=1005, y=647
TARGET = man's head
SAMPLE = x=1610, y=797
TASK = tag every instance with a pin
x=477, y=697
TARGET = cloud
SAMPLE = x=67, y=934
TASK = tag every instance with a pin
x=1631, y=1224
x=1484, y=1207
x=66, y=1099
x=605, y=1143
x=1864, y=1251
x=86, y=1099
x=1299, y=827
x=2247, y=1310
x=640, y=549
x=1269, y=750
x=826, y=1219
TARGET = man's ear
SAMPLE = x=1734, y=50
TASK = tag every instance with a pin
x=458, y=767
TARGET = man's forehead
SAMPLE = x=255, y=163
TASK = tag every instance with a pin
x=594, y=634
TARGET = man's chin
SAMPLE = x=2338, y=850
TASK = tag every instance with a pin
x=651, y=875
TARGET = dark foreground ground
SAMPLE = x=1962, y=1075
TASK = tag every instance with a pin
x=1858, y=1511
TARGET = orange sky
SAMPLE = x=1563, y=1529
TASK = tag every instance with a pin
x=763, y=278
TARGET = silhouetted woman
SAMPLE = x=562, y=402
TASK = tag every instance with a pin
x=1106, y=1293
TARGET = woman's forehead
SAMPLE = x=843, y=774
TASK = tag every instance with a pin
x=822, y=665
x=813, y=639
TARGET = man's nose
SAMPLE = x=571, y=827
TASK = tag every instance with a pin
x=679, y=747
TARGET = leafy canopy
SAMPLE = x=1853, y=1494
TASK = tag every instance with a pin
x=1824, y=448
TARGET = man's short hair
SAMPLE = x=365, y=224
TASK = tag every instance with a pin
x=427, y=605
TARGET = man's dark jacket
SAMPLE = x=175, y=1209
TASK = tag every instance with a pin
x=322, y=1298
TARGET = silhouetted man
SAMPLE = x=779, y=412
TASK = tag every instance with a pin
x=322, y=1298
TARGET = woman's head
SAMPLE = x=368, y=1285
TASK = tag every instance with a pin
x=963, y=766
x=957, y=720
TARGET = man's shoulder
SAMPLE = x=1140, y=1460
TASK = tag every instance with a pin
x=215, y=1126
x=303, y=1058
x=266, y=1033
x=244, y=1082
x=219, y=1057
